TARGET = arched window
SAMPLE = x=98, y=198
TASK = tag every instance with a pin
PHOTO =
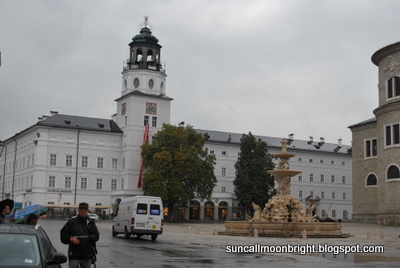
x=393, y=87
x=393, y=172
x=372, y=180
x=139, y=54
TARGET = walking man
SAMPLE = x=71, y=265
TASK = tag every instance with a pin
x=80, y=234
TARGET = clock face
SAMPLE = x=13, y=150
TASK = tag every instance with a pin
x=151, y=83
x=136, y=82
x=151, y=108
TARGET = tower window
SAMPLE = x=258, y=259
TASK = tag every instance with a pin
x=393, y=172
x=393, y=87
x=146, y=120
x=371, y=148
x=154, y=121
x=151, y=83
x=136, y=82
x=392, y=134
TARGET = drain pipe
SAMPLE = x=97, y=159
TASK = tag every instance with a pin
x=4, y=169
x=77, y=162
x=15, y=163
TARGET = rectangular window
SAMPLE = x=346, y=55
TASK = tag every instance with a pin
x=29, y=160
x=333, y=213
x=52, y=181
x=53, y=159
x=223, y=189
x=345, y=214
x=67, y=183
x=311, y=160
x=311, y=177
x=223, y=152
x=155, y=209
x=332, y=162
x=371, y=148
x=68, y=160
x=113, y=185
x=83, y=183
x=122, y=184
x=322, y=195
x=123, y=163
x=322, y=178
x=114, y=163
x=393, y=87
x=333, y=178
x=33, y=159
x=154, y=121
x=85, y=160
x=300, y=178
x=141, y=209
x=333, y=195
x=312, y=194
x=223, y=171
x=100, y=162
x=300, y=194
x=343, y=163
x=343, y=179
x=211, y=151
x=99, y=184
x=321, y=161
x=344, y=195
x=146, y=120
x=323, y=213
x=299, y=159
x=392, y=134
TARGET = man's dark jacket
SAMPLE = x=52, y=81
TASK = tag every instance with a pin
x=86, y=230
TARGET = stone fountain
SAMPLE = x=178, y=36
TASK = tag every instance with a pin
x=283, y=215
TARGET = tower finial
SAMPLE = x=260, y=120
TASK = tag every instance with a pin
x=146, y=21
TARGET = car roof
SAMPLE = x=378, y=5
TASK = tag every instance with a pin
x=18, y=229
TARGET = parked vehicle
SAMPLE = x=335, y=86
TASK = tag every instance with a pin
x=93, y=216
x=24, y=245
x=139, y=215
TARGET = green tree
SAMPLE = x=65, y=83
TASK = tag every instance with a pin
x=252, y=182
x=178, y=168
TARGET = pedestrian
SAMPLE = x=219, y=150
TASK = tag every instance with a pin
x=80, y=234
x=5, y=208
x=32, y=219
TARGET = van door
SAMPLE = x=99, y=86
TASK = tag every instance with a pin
x=155, y=215
x=142, y=214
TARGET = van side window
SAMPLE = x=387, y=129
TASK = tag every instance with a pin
x=154, y=209
x=141, y=209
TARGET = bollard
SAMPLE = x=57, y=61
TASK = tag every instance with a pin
x=190, y=230
x=215, y=231
x=382, y=234
x=255, y=233
x=376, y=233
x=197, y=230
x=304, y=234
x=368, y=235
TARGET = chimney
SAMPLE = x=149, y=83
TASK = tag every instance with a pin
x=53, y=112
x=291, y=136
x=311, y=140
x=321, y=141
x=339, y=142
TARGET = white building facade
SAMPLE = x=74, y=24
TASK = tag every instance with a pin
x=64, y=160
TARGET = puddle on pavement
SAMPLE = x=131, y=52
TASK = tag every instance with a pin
x=356, y=257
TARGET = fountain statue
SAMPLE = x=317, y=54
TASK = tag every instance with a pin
x=283, y=215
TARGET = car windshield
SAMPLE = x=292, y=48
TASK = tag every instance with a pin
x=19, y=250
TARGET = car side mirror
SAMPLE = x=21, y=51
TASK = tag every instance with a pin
x=57, y=258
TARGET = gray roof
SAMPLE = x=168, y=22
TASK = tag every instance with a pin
x=80, y=122
x=316, y=146
x=371, y=120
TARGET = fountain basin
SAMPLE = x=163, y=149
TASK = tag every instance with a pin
x=281, y=173
x=284, y=229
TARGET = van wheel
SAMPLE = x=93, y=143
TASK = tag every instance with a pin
x=154, y=237
x=127, y=234
x=114, y=234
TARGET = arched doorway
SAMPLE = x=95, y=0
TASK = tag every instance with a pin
x=222, y=211
x=209, y=210
x=194, y=210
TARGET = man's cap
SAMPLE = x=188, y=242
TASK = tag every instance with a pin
x=84, y=205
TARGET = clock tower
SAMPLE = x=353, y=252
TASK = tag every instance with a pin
x=143, y=103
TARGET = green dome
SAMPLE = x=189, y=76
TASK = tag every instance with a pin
x=145, y=36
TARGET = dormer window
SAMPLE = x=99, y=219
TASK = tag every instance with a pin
x=393, y=87
x=101, y=125
x=67, y=122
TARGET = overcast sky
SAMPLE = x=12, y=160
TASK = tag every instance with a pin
x=269, y=67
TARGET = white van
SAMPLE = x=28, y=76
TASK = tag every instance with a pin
x=139, y=215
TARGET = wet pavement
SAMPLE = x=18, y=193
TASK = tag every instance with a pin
x=181, y=246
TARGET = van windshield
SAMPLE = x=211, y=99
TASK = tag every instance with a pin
x=154, y=209
x=141, y=209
